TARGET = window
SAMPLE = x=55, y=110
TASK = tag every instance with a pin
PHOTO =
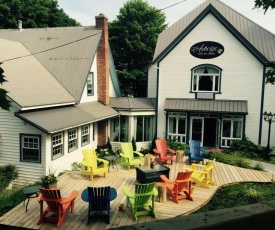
x=177, y=126
x=30, y=148
x=85, y=135
x=232, y=129
x=57, y=145
x=90, y=84
x=119, y=129
x=206, y=79
x=72, y=134
x=144, y=128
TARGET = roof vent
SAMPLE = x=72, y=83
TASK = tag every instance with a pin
x=20, y=25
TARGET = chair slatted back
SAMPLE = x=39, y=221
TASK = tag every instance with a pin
x=161, y=146
x=52, y=197
x=183, y=176
x=143, y=193
x=99, y=198
x=90, y=156
x=209, y=165
x=195, y=146
x=127, y=149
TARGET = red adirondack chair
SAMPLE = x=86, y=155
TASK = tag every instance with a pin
x=162, y=150
x=56, y=204
x=181, y=188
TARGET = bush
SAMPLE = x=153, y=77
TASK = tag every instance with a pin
x=8, y=173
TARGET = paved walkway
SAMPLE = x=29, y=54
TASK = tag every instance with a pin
x=267, y=167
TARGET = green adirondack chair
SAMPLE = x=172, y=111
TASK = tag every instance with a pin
x=128, y=159
x=142, y=201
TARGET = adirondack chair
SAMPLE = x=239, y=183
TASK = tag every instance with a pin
x=181, y=188
x=99, y=201
x=203, y=174
x=128, y=158
x=162, y=150
x=90, y=166
x=141, y=202
x=58, y=205
x=195, y=153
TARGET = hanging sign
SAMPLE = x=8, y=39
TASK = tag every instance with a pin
x=207, y=50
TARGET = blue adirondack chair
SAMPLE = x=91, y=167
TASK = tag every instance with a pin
x=195, y=153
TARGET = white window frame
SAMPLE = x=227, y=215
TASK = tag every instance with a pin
x=90, y=84
x=225, y=141
x=214, y=77
x=57, y=145
x=85, y=135
x=30, y=148
x=178, y=136
x=72, y=140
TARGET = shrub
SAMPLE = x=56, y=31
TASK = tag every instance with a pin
x=8, y=173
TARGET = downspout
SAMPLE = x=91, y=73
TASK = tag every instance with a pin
x=157, y=103
x=262, y=107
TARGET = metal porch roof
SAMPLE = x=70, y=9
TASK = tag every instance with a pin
x=217, y=106
x=59, y=119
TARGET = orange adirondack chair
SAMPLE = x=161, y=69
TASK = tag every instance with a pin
x=56, y=204
x=162, y=149
x=181, y=188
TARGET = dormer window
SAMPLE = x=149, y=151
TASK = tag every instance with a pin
x=90, y=84
x=206, y=79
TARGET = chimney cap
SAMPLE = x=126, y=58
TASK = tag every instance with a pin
x=101, y=15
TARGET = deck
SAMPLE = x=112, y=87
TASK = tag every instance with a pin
x=223, y=175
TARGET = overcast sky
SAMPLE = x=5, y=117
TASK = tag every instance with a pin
x=84, y=11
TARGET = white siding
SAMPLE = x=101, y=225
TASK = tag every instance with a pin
x=152, y=82
x=241, y=75
x=10, y=128
x=85, y=97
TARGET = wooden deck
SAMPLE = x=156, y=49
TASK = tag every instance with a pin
x=223, y=175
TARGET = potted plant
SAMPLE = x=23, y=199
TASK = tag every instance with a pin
x=49, y=181
x=121, y=207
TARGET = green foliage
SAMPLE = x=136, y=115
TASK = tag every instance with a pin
x=265, y=4
x=238, y=195
x=34, y=14
x=51, y=178
x=176, y=145
x=8, y=172
x=133, y=37
x=109, y=146
x=76, y=166
x=4, y=102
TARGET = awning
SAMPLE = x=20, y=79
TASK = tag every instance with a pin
x=206, y=106
x=59, y=119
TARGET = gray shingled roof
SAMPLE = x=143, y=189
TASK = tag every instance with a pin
x=70, y=63
x=217, y=106
x=257, y=39
x=58, y=119
x=29, y=83
x=132, y=103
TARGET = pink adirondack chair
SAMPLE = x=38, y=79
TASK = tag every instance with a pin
x=162, y=150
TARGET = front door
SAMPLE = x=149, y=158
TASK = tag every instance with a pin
x=197, y=129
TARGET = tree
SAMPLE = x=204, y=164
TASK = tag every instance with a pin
x=265, y=4
x=133, y=37
x=34, y=14
x=4, y=102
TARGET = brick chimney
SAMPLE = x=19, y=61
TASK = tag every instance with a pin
x=103, y=75
x=103, y=60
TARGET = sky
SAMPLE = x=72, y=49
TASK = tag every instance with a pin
x=84, y=11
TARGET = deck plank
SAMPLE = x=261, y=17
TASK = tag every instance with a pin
x=223, y=175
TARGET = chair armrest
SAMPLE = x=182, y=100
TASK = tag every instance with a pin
x=138, y=153
x=188, y=169
x=86, y=163
x=166, y=180
x=187, y=151
x=197, y=165
x=155, y=191
x=171, y=151
x=102, y=160
x=204, y=152
x=127, y=192
x=73, y=195
x=156, y=151
x=122, y=155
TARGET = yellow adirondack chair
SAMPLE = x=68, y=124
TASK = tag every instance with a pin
x=142, y=200
x=89, y=164
x=202, y=174
x=127, y=155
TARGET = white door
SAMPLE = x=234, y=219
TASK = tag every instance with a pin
x=197, y=129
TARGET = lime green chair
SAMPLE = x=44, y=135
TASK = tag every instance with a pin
x=128, y=159
x=142, y=200
x=90, y=166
